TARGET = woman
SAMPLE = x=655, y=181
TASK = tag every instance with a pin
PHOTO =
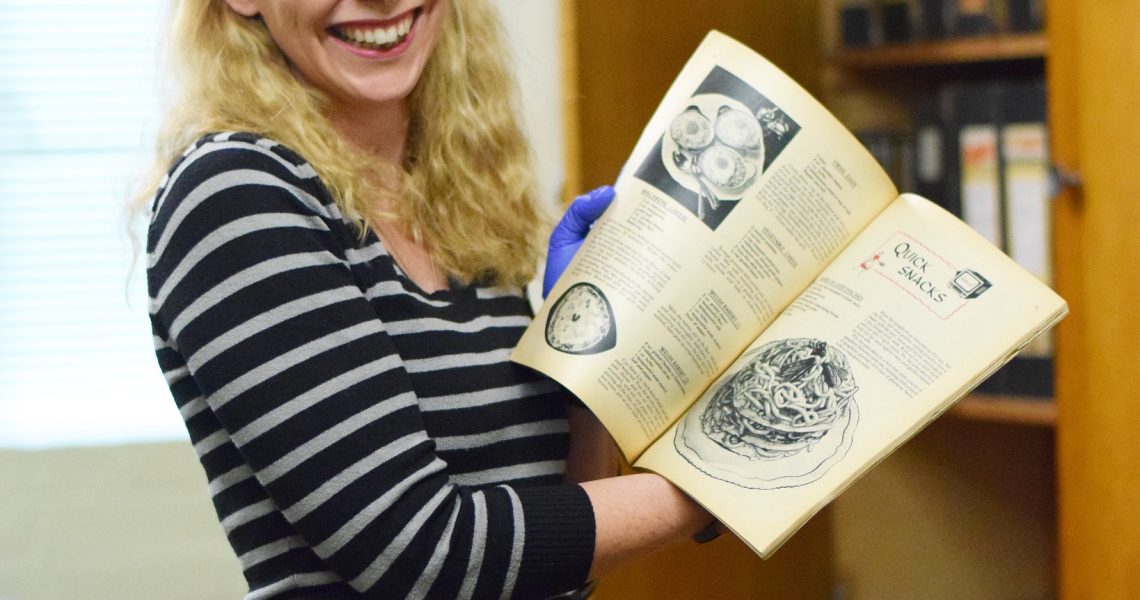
x=341, y=226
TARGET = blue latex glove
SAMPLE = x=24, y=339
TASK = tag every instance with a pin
x=571, y=231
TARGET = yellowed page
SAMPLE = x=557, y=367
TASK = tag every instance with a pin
x=740, y=189
x=913, y=314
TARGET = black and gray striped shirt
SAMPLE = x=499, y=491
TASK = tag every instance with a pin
x=361, y=438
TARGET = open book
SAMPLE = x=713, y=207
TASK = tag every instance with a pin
x=761, y=317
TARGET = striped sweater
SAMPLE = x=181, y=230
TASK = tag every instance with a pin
x=361, y=438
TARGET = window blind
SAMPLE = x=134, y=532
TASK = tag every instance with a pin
x=78, y=108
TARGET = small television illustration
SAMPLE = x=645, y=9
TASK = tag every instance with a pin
x=969, y=283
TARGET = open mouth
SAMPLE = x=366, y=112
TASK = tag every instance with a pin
x=385, y=36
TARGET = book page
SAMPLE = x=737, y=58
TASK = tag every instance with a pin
x=910, y=317
x=740, y=189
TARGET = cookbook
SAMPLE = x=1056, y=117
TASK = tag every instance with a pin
x=760, y=316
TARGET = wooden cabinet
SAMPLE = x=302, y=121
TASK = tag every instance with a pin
x=1094, y=58
x=1066, y=464
x=878, y=87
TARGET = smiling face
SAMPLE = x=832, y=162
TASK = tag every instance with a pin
x=363, y=54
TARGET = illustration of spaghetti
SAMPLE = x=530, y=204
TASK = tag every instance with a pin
x=789, y=396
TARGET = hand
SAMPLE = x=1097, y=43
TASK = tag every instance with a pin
x=571, y=231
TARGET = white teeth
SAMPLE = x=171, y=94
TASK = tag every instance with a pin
x=380, y=36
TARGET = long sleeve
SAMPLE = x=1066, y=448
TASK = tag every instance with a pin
x=304, y=413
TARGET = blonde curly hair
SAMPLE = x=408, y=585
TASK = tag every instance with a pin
x=467, y=182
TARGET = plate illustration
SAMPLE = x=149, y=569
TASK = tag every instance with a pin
x=581, y=321
x=783, y=419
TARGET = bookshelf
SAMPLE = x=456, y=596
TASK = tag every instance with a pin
x=975, y=50
x=1095, y=133
x=1010, y=410
x=1069, y=452
x=983, y=476
x=889, y=79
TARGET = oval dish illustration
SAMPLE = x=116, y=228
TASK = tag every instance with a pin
x=581, y=321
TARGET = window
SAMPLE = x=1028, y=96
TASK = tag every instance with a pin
x=78, y=108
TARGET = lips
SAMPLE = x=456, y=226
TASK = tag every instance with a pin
x=377, y=36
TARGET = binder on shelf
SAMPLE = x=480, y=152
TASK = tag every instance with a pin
x=931, y=167
x=974, y=17
x=1025, y=175
x=977, y=159
x=1025, y=15
x=894, y=151
x=895, y=20
x=1025, y=183
x=855, y=24
x=933, y=18
x=1019, y=116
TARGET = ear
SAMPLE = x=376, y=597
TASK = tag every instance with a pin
x=245, y=8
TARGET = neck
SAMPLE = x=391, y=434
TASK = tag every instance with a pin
x=381, y=131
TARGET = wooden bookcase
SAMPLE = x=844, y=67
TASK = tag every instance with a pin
x=891, y=71
x=971, y=506
x=988, y=49
x=1043, y=480
x=1094, y=54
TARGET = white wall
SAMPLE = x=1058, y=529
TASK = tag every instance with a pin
x=38, y=408
x=135, y=521
x=533, y=29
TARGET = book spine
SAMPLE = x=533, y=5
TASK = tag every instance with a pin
x=934, y=19
x=856, y=24
x=932, y=164
x=1025, y=181
x=975, y=17
x=1025, y=15
x=977, y=156
x=897, y=20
